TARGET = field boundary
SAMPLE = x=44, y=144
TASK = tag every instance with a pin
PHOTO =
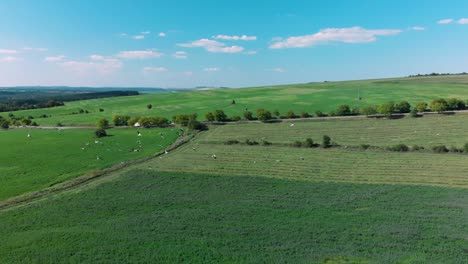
x=86, y=178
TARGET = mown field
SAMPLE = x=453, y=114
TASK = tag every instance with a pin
x=52, y=156
x=325, y=97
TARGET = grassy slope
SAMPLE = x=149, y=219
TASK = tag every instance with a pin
x=170, y=218
x=298, y=97
x=52, y=156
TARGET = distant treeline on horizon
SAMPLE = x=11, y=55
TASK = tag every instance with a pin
x=436, y=74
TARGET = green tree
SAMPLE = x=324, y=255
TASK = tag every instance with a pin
x=369, y=110
x=343, y=110
x=210, y=117
x=100, y=132
x=439, y=105
x=276, y=113
x=149, y=106
x=386, y=109
x=403, y=107
x=120, y=120
x=102, y=123
x=414, y=112
x=263, y=115
x=455, y=104
x=290, y=114
x=132, y=121
x=326, y=141
x=421, y=107
x=220, y=116
x=248, y=115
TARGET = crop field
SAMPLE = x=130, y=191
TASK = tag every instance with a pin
x=149, y=216
x=426, y=131
x=52, y=156
x=325, y=97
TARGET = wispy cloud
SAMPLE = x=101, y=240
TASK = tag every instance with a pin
x=162, y=34
x=417, y=28
x=139, y=54
x=35, y=49
x=332, y=35
x=445, y=21
x=54, y=58
x=98, y=64
x=8, y=51
x=227, y=37
x=462, y=21
x=122, y=35
x=279, y=69
x=212, y=46
x=155, y=69
x=10, y=59
x=250, y=52
x=138, y=37
x=180, y=55
x=145, y=32
x=212, y=69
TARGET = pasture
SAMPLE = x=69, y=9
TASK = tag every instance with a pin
x=52, y=156
x=326, y=96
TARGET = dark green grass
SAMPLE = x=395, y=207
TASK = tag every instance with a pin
x=148, y=217
x=298, y=97
x=51, y=156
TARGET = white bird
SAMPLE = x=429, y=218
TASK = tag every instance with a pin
x=96, y=142
x=165, y=151
x=139, y=134
x=291, y=125
x=82, y=148
x=213, y=156
x=98, y=158
x=29, y=135
x=277, y=160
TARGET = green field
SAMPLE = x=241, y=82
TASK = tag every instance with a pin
x=52, y=156
x=300, y=97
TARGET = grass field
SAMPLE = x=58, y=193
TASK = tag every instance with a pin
x=300, y=97
x=426, y=131
x=52, y=156
x=148, y=216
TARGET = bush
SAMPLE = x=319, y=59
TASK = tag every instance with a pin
x=417, y=148
x=326, y=141
x=440, y=149
x=59, y=124
x=266, y=143
x=248, y=115
x=101, y=109
x=369, y=110
x=364, y=146
x=5, y=124
x=414, y=113
x=132, y=121
x=320, y=114
x=403, y=107
x=455, y=104
x=231, y=142
x=220, y=116
x=399, y=147
x=251, y=142
x=121, y=120
x=297, y=144
x=439, y=105
x=99, y=133
x=305, y=114
x=277, y=113
x=343, y=110
x=290, y=114
x=309, y=143
x=153, y=121
x=263, y=115
x=421, y=107
x=149, y=106
x=210, y=117
x=184, y=119
x=236, y=118
x=34, y=124
x=465, y=148
x=193, y=124
x=356, y=110
x=386, y=109
x=102, y=123
x=455, y=149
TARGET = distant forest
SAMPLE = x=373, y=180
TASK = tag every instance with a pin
x=436, y=74
x=33, y=99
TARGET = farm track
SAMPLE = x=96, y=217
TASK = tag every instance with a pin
x=85, y=179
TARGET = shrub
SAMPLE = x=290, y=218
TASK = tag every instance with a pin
x=59, y=124
x=132, y=121
x=421, y=107
x=231, y=142
x=414, y=113
x=309, y=143
x=102, y=123
x=465, y=148
x=266, y=143
x=417, y=148
x=251, y=142
x=263, y=115
x=364, y=146
x=149, y=106
x=290, y=114
x=236, y=118
x=297, y=144
x=399, y=147
x=193, y=124
x=153, y=121
x=439, y=105
x=233, y=102
x=326, y=141
x=81, y=111
x=5, y=124
x=455, y=149
x=184, y=119
x=99, y=133
x=26, y=121
x=248, y=115
x=343, y=110
x=34, y=124
x=121, y=120
x=386, y=109
x=220, y=116
x=305, y=114
x=277, y=113
x=440, y=149
x=210, y=117
x=356, y=110
x=403, y=107
x=455, y=104
x=101, y=109
x=369, y=110
x=320, y=114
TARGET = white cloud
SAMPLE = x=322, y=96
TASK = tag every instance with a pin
x=54, y=58
x=243, y=37
x=180, y=55
x=278, y=70
x=212, y=69
x=155, y=69
x=35, y=49
x=463, y=21
x=250, y=52
x=138, y=37
x=97, y=57
x=162, y=34
x=445, y=21
x=325, y=36
x=10, y=59
x=122, y=35
x=8, y=51
x=145, y=32
x=212, y=46
x=417, y=28
x=139, y=54
x=101, y=66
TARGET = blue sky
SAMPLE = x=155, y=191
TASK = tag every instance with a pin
x=226, y=43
